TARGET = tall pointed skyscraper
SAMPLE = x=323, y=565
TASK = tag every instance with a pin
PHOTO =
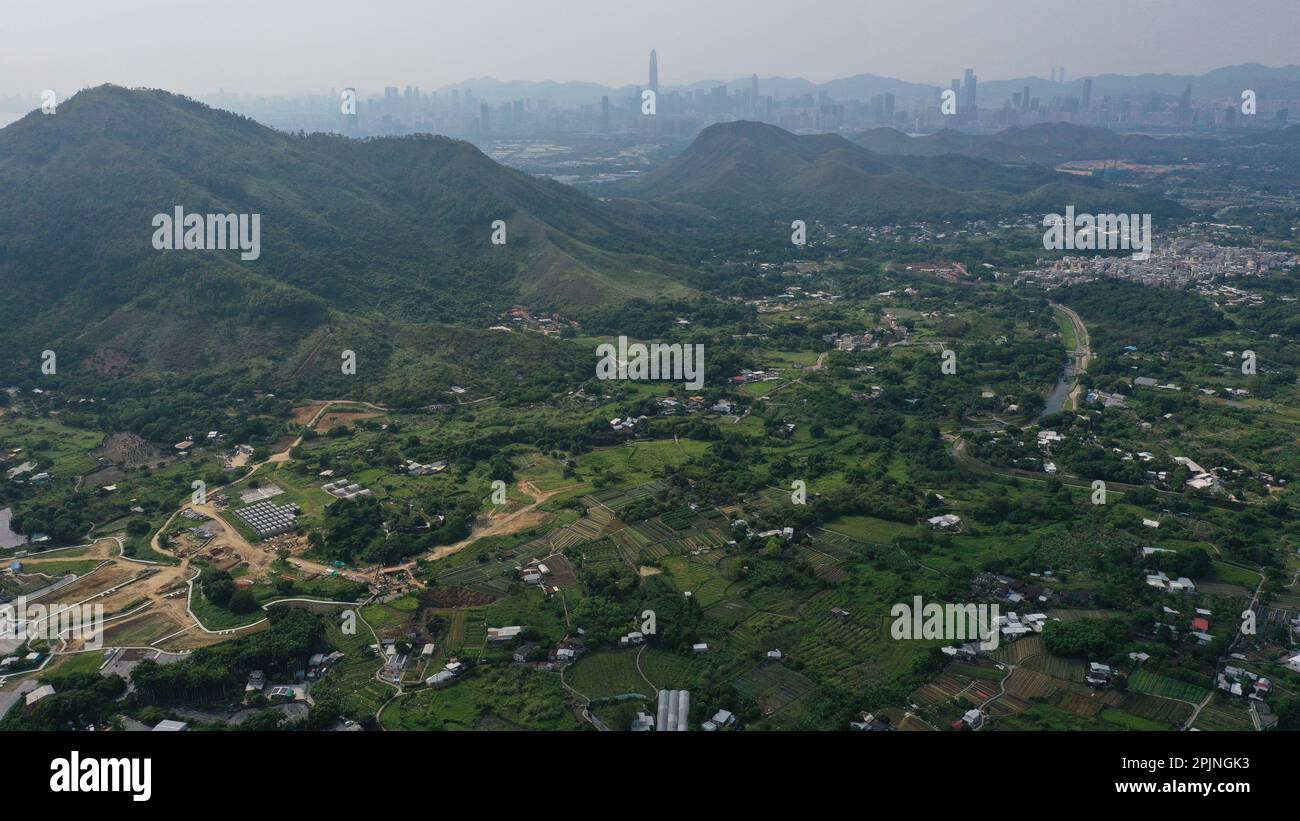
x=654, y=72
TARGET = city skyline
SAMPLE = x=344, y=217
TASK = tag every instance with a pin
x=66, y=46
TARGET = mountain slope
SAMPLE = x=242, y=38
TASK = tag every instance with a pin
x=392, y=228
x=753, y=171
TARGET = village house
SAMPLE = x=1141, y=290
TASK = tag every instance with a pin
x=721, y=720
x=870, y=723
x=971, y=720
x=1099, y=675
x=947, y=521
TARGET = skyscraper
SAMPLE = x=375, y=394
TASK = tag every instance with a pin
x=753, y=94
x=1087, y=93
x=654, y=72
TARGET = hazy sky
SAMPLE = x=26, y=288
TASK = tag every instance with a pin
x=196, y=46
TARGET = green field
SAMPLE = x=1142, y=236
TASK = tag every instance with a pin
x=1145, y=681
x=606, y=674
x=501, y=698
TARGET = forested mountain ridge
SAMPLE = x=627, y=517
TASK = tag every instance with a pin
x=398, y=229
x=750, y=171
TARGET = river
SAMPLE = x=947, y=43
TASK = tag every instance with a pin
x=1064, y=385
x=1069, y=374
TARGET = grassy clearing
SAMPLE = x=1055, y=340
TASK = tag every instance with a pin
x=606, y=674
x=514, y=697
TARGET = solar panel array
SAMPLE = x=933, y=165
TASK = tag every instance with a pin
x=269, y=519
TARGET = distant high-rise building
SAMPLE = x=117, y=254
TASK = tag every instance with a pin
x=1062, y=78
x=889, y=107
x=753, y=94
x=485, y=118
x=1087, y=93
x=1053, y=73
x=968, y=93
x=718, y=99
x=654, y=72
x=604, y=113
x=351, y=120
x=1024, y=95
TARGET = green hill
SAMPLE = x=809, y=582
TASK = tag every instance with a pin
x=391, y=230
x=755, y=172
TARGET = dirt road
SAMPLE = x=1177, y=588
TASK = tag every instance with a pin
x=504, y=525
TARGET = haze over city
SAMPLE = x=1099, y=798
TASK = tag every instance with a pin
x=254, y=47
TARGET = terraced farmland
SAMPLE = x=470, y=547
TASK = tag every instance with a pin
x=352, y=681
x=824, y=565
x=941, y=690
x=1219, y=717
x=772, y=685
x=702, y=580
x=1173, y=713
x=756, y=632
x=854, y=650
x=475, y=633
x=1027, y=684
x=1057, y=667
x=1016, y=652
x=618, y=498
x=1145, y=681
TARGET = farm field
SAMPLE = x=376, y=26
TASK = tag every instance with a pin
x=772, y=686
x=670, y=671
x=513, y=697
x=607, y=674
x=1145, y=681
x=1223, y=717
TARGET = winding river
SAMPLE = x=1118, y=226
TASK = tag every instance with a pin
x=1067, y=385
